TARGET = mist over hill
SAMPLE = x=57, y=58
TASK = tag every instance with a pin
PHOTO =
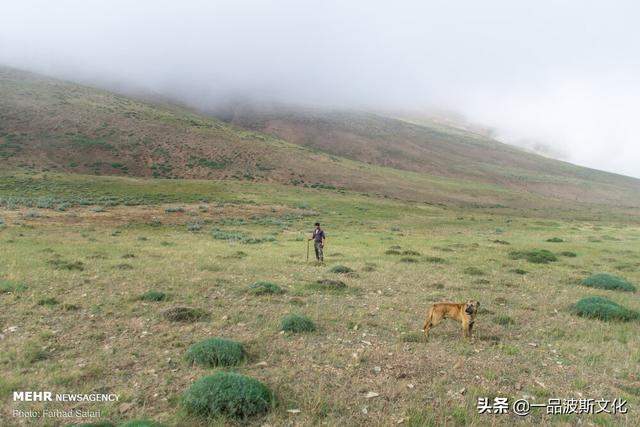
x=52, y=125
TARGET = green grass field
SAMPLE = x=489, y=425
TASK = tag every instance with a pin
x=73, y=320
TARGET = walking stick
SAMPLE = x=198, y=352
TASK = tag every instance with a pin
x=307, y=250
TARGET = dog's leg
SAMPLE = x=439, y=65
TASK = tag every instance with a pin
x=466, y=328
x=432, y=320
x=471, y=327
x=427, y=322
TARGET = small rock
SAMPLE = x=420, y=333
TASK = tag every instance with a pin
x=371, y=395
x=261, y=364
x=532, y=344
x=365, y=410
x=377, y=369
x=410, y=386
x=294, y=411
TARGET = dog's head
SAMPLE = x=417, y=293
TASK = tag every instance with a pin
x=471, y=307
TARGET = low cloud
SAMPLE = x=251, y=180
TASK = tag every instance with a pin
x=561, y=76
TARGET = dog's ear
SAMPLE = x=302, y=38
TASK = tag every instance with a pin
x=478, y=303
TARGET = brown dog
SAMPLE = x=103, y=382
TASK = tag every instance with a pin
x=464, y=313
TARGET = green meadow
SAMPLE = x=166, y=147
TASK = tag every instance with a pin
x=106, y=283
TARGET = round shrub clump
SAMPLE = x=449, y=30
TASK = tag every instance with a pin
x=341, y=269
x=474, y=271
x=153, y=296
x=297, y=323
x=327, y=285
x=555, y=240
x=184, y=314
x=411, y=253
x=227, y=394
x=604, y=309
x=265, y=288
x=609, y=282
x=536, y=256
x=216, y=352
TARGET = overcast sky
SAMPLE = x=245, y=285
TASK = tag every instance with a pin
x=559, y=74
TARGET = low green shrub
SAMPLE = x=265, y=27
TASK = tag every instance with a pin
x=536, y=256
x=341, y=269
x=48, y=301
x=194, y=226
x=153, y=296
x=568, y=254
x=67, y=265
x=604, y=309
x=216, y=352
x=473, y=271
x=555, y=240
x=265, y=288
x=504, y=320
x=297, y=323
x=392, y=252
x=519, y=271
x=238, y=236
x=411, y=253
x=327, y=285
x=609, y=282
x=174, y=209
x=184, y=314
x=409, y=260
x=227, y=394
x=435, y=260
x=7, y=286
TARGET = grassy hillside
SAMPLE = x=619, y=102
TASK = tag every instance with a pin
x=49, y=125
x=55, y=126
x=436, y=149
x=76, y=317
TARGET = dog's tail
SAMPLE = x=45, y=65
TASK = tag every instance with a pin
x=427, y=320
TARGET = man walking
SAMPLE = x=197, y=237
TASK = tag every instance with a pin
x=318, y=242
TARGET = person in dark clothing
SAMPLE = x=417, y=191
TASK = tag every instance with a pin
x=318, y=242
